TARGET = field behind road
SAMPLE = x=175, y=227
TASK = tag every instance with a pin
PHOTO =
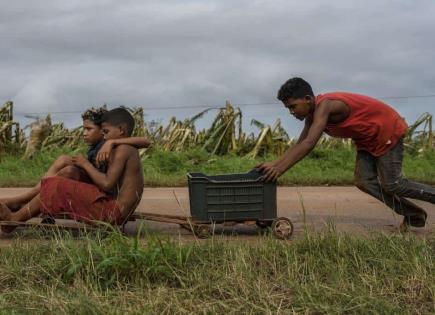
x=169, y=169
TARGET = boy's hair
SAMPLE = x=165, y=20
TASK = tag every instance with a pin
x=120, y=116
x=294, y=88
x=95, y=114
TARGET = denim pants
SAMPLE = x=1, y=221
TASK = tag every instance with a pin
x=382, y=178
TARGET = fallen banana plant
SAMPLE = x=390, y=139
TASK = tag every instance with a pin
x=225, y=135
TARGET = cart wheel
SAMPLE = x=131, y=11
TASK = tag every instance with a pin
x=201, y=231
x=186, y=226
x=282, y=228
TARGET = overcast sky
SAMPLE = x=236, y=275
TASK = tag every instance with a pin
x=66, y=55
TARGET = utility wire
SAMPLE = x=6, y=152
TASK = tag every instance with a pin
x=214, y=106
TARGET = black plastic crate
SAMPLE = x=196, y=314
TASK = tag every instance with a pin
x=234, y=197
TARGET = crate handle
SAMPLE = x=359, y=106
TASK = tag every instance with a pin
x=204, y=177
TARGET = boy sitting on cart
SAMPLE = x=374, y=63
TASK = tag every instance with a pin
x=111, y=198
x=98, y=154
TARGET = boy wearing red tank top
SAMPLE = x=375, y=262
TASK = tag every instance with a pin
x=377, y=131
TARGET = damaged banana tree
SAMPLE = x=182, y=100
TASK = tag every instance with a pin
x=60, y=136
x=221, y=138
x=225, y=136
x=270, y=140
x=39, y=131
x=10, y=132
x=420, y=135
x=179, y=135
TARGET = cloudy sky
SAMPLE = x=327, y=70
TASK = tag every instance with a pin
x=59, y=56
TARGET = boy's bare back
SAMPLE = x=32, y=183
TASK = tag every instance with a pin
x=131, y=181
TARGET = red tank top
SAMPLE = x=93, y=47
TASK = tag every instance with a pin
x=374, y=126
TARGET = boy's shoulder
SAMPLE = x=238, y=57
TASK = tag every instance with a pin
x=125, y=149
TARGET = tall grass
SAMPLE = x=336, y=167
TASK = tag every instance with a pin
x=326, y=273
x=162, y=168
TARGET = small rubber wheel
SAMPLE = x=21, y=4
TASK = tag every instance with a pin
x=186, y=226
x=282, y=228
x=202, y=231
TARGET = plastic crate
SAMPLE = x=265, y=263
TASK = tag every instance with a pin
x=234, y=197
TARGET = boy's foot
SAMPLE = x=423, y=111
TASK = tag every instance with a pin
x=13, y=206
x=5, y=215
x=415, y=220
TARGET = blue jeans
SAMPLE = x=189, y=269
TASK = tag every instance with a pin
x=382, y=178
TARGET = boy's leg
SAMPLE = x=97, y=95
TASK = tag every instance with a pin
x=61, y=167
x=392, y=180
x=16, y=202
x=389, y=167
x=30, y=210
x=82, y=201
x=60, y=163
x=366, y=179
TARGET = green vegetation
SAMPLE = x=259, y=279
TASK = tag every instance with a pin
x=224, y=137
x=167, y=168
x=327, y=273
x=223, y=148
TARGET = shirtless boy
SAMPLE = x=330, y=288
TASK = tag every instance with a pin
x=111, y=197
x=98, y=154
x=377, y=131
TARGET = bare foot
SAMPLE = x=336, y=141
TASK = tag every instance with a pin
x=5, y=215
x=11, y=204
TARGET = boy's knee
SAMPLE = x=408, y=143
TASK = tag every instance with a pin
x=63, y=160
x=69, y=172
x=393, y=187
x=361, y=184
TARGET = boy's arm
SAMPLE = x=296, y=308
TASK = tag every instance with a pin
x=103, y=154
x=307, y=126
x=109, y=180
x=297, y=152
x=302, y=136
x=137, y=142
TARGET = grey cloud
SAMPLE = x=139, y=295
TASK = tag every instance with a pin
x=59, y=55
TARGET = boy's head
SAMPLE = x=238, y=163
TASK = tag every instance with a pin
x=297, y=95
x=117, y=123
x=92, y=119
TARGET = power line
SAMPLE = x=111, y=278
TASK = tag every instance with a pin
x=144, y=108
x=408, y=96
x=205, y=107
x=153, y=108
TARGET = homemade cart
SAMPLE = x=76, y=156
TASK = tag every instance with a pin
x=228, y=200
x=223, y=199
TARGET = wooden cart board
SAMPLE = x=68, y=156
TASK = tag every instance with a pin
x=282, y=228
x=58, y=225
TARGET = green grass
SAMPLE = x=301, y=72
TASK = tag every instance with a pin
x=328, y=273
x=321, y=167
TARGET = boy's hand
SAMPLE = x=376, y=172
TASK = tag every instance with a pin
x=103, y=154
x=270, y=171
x=79, y=160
